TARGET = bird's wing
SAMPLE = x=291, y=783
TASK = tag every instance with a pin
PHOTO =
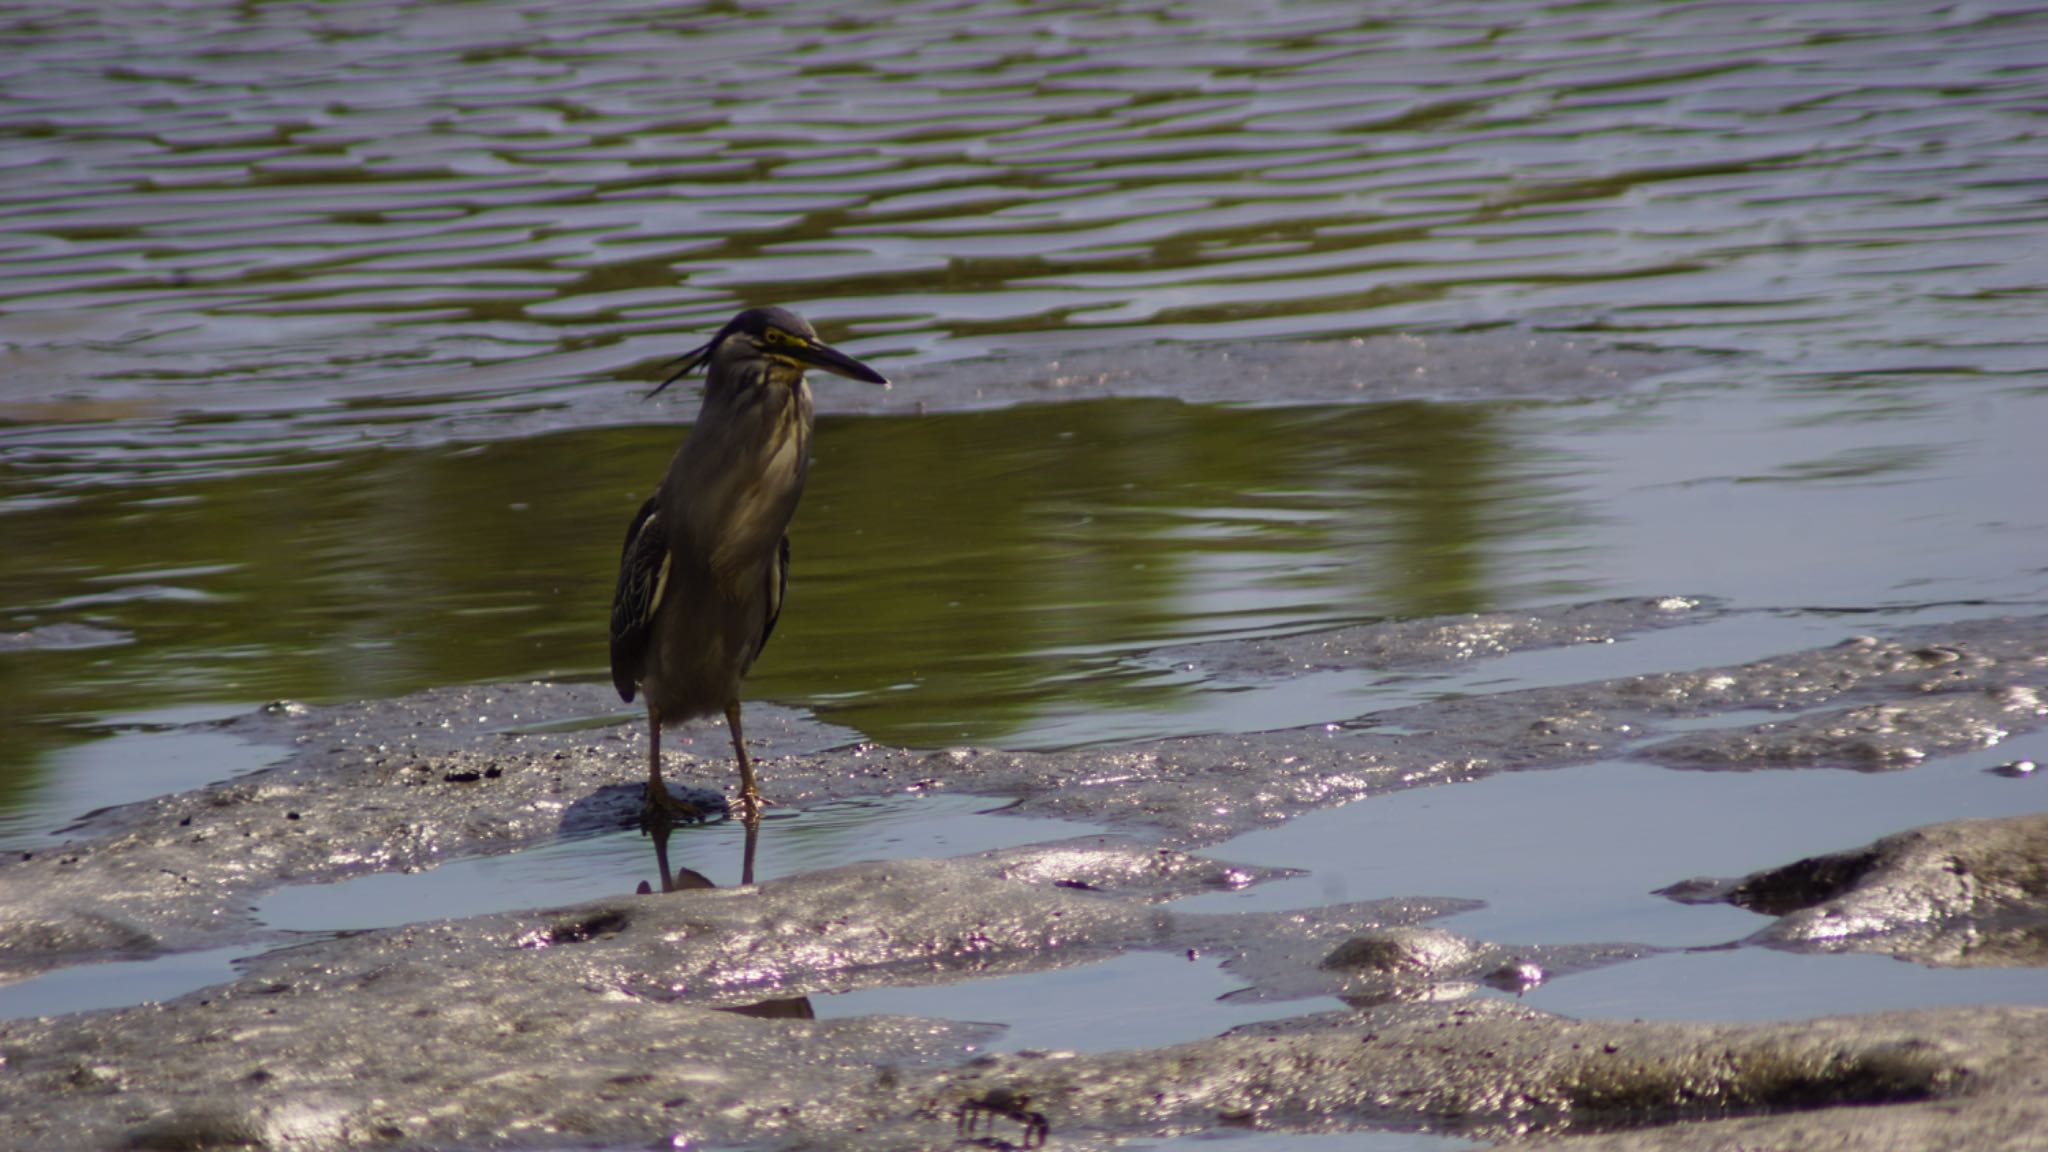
x=778, y=583
x=643, y=576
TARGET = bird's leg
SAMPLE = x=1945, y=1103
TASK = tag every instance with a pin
x=661, y=808
x=660, y=833
x=751, y=802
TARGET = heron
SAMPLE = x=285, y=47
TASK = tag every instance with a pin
x=706, y=558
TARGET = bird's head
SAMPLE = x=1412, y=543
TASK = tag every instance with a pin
x=772, y=337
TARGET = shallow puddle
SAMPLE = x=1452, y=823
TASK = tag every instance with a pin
x=616, y=864
x=119, y=983
x=1137, y=1000
x=1766, y=984
x=1561, y=857
x=1573, y=855
x=135, y=757
x=567, y=872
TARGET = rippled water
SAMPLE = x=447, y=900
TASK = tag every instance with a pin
x=324, y=327
x=242, y=244
x=341, y=215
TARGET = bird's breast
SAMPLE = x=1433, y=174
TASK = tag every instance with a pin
x=748, y=480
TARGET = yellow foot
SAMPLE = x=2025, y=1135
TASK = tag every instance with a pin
x=751, y=804
x=661, y=809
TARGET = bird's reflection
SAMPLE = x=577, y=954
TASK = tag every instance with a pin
x=674, y=879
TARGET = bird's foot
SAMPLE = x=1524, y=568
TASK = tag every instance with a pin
x=750, y=805
x=662, y=809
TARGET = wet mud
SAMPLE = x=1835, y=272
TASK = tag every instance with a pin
x=625, y=1020
x=601, y=1022
x=1967, y=893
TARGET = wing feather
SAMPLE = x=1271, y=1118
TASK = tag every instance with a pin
x=778, y=583
x=643, y=577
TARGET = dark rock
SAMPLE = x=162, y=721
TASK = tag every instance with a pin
x=1967, y=893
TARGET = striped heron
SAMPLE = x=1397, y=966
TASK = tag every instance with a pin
x=706, y=558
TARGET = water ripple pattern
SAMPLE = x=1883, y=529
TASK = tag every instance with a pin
x=346, y=217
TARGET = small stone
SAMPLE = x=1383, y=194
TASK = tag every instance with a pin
x=1517, y=976
x=1400, y=950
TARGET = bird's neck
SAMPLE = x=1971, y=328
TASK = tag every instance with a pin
x=739, y=474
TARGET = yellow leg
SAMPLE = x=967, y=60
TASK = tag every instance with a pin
x=750, y=796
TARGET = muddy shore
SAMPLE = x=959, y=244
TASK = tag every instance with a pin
x=626, y=1020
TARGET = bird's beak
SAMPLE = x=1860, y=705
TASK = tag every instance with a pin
x=819, y=354
x=690, y=362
